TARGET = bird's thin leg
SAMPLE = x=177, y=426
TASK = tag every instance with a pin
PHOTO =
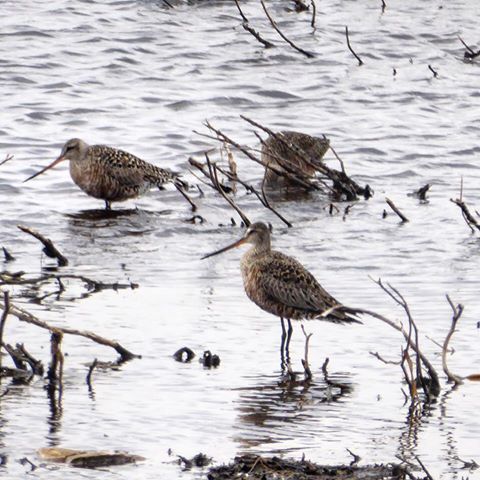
x=282, y=346
x=186, y=197
x=287, y=345
x=108, y=205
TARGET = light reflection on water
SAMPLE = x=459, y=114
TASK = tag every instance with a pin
x=141, y=77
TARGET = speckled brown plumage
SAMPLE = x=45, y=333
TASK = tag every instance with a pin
x=281, y=285
x=109, y=173
x=314, y=148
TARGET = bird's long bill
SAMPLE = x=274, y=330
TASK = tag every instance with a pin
x=56, y=162
x=224, y=249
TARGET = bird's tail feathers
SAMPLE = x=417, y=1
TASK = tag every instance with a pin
x=340, y=314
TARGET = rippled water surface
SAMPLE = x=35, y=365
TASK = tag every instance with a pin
x=141, y=76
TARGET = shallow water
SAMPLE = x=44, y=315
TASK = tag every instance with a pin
x=141, y=77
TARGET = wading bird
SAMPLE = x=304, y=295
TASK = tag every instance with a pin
x=111, y=174
x=282, y=286
x=296, y=151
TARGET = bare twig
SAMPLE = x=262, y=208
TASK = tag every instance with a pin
x=314, y=13
x=91, y=368
x=457, y=311
x=387, y=362
x=356, y=458
x=306, y=365
x=275, y=26
x=251, y=30
x=216, y=184
x=49, y=248
x=185, y=195
x=427, y=473
x=384, y=6
x=435, y=73
x=3, y=319
x=7, y=158
x=27, y=317
x=167, y=3
x=470, y=54
x=360, y=62
x=467, y=216
x=396, y=210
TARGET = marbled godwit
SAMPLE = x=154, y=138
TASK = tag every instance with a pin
x=281, y=285
x=291, y=149
x=111, y=174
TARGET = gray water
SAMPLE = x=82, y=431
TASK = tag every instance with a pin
x=140, y=76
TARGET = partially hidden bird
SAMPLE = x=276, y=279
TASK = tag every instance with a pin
x=294, y=152
x=111, y=174
x=282, y=286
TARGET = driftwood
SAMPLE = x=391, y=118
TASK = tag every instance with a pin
x=435, y=73
x=7, y=158
x=7, y=255
x=49, y=248
x=396, y=210
x=275, y=26
x=27, y=317
x=360, y=62
x=470, y=220
x=314, y=14
x=413, y=373
x=251, y=30
x=457, y=311
x=470, y=54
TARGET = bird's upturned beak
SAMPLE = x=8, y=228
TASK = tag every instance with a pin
x=228, y=247
x=57, y=161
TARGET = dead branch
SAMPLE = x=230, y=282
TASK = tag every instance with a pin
x=35, y=365
x=470, y=54
x=88, y=379
x=351, y=49
x=431, y=388
x=49, y=248
x=435, y=73
x=27, y=317
x=396, y=210
x=387, y=362
x=3, y=319
x=306, y=365
x=314, y=14
x=275, y=26
x=251, y=30
x=384, y=6
x=167, y=3
x=213, y=173
x=427, y=473
x=467, y=216
x=457, y=311
x=55, y=369
x=7, y=158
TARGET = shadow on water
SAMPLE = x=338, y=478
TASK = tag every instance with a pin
x=103, y=214
x=271, y=404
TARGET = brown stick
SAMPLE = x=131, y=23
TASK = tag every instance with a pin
x=185, y=196
x=3, y=319
x=305, y=363
x=27, y=317
x=396, y=210
x=435, y=73
x=55, y=369
x=7, y=158
x=457, y=313
x=275, y=26
x=468, y=217
x=470, y=53
x=251, y=30
x=314, y=13
x=216, y=184
x=89, y=374
x=351, y=49
x=50, y=250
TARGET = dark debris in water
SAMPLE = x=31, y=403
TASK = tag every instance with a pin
x=253, y=467
x=184, y=355
x=200, y=460
x=210, y=360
